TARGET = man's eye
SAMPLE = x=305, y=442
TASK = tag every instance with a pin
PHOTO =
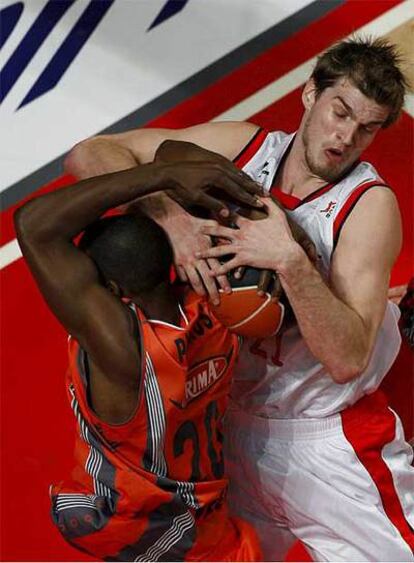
x=340, y=114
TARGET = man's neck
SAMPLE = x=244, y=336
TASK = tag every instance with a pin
x=294, y=176
x=160, y=304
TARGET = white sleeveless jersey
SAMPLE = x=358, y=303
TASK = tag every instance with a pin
x=279, y=377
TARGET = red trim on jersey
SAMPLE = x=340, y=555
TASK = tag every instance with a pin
x=251, y=148
x=288, y=201
x=368, y=426
x=292, y=202
x=317, y=193
x=350, y=204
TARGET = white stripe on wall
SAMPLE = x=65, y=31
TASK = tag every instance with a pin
x=9, y=253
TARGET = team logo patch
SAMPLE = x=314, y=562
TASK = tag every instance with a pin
x=201, y=377
x=329, y=209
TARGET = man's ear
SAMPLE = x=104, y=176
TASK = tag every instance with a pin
x=309, y=94
x=114, y=288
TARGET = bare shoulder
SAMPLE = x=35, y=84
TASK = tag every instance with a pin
x=374, y=224
x=227, y=138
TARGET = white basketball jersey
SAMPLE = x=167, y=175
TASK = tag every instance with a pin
x=279, y=377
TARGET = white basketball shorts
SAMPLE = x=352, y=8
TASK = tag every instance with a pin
x=343, y=485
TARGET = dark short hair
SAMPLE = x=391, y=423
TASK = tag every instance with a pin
x=373, y=65
x=131, y=250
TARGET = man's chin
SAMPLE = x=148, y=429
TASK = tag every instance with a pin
x=327, y=170
x=331, y=174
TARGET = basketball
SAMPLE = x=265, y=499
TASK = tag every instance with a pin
x=245, y=312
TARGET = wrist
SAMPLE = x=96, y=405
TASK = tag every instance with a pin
x=294, y=263
x=158, y=205
x=153, y=174
x=163, y=210
x=167, y=149
x=171, y=213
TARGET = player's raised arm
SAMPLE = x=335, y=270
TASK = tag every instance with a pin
x=67, y=278
x=108, y=153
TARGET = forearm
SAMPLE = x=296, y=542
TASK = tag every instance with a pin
x=111, y=153
x=68, y=211
x=334, y=332
x=102, y=155
x=160, y=208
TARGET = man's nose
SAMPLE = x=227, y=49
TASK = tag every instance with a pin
x=348, y=132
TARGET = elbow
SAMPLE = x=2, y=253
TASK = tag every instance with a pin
x=71, y=161
x=78, y=160
x=354, y=361
x=345, y=374
x=23, y=222
x=348, y=370
x=29, y=222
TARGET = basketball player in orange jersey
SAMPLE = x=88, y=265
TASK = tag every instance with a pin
x=149, y=372
x=314, y=451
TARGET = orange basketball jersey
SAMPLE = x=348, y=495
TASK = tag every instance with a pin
x=153, y=488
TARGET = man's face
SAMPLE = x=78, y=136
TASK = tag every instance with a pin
x=340, y=124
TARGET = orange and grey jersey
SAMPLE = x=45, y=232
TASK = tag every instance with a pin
x=279, y=377
x=142, y=489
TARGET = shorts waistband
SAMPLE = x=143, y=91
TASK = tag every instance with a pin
x=283, y=428
x=306, y=428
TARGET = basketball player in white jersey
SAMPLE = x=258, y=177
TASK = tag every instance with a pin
x=314, y=451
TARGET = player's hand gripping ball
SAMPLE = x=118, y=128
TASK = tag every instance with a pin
x=245, y=311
